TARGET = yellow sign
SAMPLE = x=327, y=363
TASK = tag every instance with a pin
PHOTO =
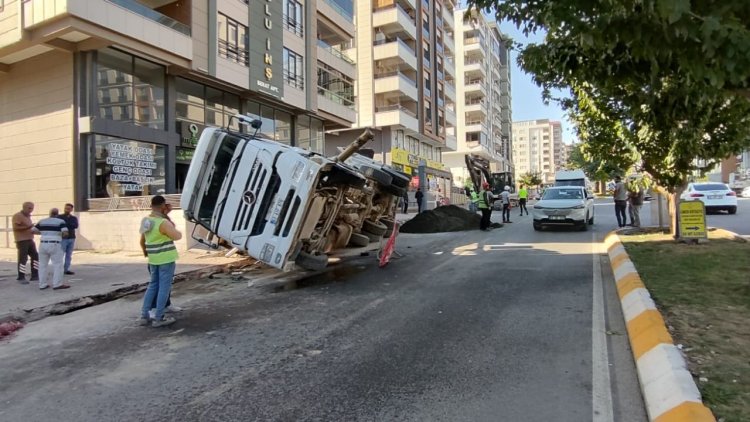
x=403, y=157
x=693, y=220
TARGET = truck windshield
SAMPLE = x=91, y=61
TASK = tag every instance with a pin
x=215, y=177
x=571, y=182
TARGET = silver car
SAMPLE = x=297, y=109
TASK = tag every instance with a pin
x=564, y=206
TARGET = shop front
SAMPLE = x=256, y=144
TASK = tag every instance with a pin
x=438, y=180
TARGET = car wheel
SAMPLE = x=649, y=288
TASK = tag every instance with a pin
x=584, y=226
x=359, y=240
x=591, y=220
x=375, y=227
x=311, y=262
x=733, y=210
x=537, y=227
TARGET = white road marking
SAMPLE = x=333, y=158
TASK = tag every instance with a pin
x=601, y=389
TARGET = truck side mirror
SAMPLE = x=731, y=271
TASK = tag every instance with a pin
x=256, y=124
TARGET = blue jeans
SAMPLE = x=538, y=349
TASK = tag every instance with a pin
x=67, y=247
x=159, y=289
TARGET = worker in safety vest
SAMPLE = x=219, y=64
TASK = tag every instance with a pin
x=484, y=203
x=158, y=234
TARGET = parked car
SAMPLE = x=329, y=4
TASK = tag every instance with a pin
x=564, y=206
x=715, y=196
x=745, y=192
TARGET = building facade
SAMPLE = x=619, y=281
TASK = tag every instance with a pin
x=102, y=102
x=538, y=148
x=405, y=85
x=483, y=111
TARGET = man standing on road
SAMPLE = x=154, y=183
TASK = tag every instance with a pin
x=635, y=199
x=405, y=200
x=68, y=243
x=484, y=203
x=418, y=196
x=505, y=198
x=24, y=236
x=157, y=241
x=523, y=195
x=621, y=202
x=52, y=231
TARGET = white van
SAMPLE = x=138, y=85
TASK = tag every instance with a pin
x=571, y=178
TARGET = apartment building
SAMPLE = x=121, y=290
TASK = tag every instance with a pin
x=102, y=101
x=538, y=148
x=405, y=85
x=483, y=110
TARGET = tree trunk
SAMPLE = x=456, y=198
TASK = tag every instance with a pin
x=674, y=211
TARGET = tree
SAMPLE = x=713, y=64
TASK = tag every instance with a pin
x=653, y=84
x=597, y=170
x=530, y=179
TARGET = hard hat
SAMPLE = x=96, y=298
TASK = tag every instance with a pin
x=507, y=187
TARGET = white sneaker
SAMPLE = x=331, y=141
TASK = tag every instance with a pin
x=152, y=314
x=173, y=308
x=163, y=323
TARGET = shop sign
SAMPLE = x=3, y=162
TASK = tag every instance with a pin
x=693, y=220
x=403, y=157
x=185, y=154
x=189, y=133
x=266, y=47
x=132, y=166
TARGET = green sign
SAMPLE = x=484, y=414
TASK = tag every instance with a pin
x=693, y=220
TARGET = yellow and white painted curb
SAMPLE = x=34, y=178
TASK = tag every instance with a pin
x=668, y=388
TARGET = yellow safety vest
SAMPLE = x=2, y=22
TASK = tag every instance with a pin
x=159, y=247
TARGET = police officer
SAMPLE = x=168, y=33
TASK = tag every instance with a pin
x=484, y=203
x=52, y=231
x=157, y=242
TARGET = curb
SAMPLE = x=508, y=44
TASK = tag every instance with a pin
x=668, y=388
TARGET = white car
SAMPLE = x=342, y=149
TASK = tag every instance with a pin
x=564, y=206
x=745, y=192
x=715, y=196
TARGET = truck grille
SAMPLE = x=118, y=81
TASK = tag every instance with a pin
x=254, y=183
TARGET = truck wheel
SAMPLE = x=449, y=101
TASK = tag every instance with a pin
x=399, y=179
x=359, y=240
x=311, y=262
x=375, y=227
x=376, y=174
x=373, y=237
x=388, y=223
x=388, y=234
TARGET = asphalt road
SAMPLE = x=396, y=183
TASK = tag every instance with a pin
x=511, y=325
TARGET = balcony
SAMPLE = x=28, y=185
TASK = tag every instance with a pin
x=450, y=117
x=475, y=87
x=337, y=59
x=475, y=126
x=450, y=67
x=450, y=91
x=396, y=115
x=336, y=105
x=447, y=18
x=449, y=43
x=473, y=45
x=474, y=65
x=394, y=19
x=475, y=106
x=116, y=18
x=395, y=52
x=336, y=18
x=396, y=82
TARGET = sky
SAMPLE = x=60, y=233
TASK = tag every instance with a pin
x=527, y=100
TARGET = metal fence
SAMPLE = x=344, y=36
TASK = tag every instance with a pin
x=7, y=228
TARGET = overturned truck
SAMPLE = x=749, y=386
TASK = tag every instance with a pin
x=285, y=205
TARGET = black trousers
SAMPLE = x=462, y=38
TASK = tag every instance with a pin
x=506, y=213
x=621, y=208
x=405, y=205
x=419, y=205
x=522, y=205
x=26, y=249
x=484, y=223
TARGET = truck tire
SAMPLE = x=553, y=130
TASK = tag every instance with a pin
x=373, y=237
x=393, y=190
x=311, y=262
x=375, y=227
x=399, y=179
x=359, y=240
x=388, y=223
x=376, y=174
x=388, y=234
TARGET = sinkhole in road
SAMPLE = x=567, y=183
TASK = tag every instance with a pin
x=332, y=275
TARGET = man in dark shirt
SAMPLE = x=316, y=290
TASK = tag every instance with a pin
x=68, y=243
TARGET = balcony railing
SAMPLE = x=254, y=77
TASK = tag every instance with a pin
x=395, y=40
x=335, y=97
x=393, y=107
x=340, y=9
x=293, y=25
x=395, y=73
x=292, y=79
x=336, y=52
x=152, y=14
x=234, y=53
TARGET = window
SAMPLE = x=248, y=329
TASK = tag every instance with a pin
x=130, y=89
x=233, y=41
x=428, y=114
x=335, y=86
x=293, y=17
x=294, y=69
x=127, y=168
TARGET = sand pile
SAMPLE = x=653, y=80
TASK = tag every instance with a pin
x=449, y=218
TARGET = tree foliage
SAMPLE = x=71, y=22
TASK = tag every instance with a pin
x=598, y=170
x=531, y=179
x=653, y=83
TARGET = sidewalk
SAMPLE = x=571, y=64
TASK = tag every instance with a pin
x=95, y=274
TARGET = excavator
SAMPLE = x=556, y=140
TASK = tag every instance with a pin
x=479, y=171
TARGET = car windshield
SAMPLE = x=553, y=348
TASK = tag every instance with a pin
x=709, y=186
x=571, y=182
x=571, y=193
x=219, y=171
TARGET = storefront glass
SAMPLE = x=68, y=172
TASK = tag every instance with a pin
x=127, y=168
